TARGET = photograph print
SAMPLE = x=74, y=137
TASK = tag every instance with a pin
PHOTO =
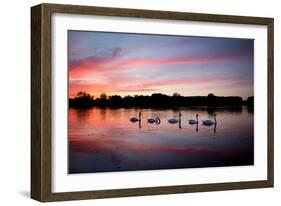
x=152, y=102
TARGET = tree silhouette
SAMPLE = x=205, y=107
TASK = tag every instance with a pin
x=176, y=94
x=84, y=100
x=103, y=96
x=83, y=95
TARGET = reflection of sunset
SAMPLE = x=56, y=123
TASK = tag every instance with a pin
x=129, y=64
x=105, y=139
x=103, y=144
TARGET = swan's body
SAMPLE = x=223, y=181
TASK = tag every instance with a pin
x=174, y=121
x=152, y=121
x=134, y=119
x=210, y=122
x=193, y=121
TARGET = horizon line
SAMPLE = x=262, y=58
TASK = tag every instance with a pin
x=134, y=95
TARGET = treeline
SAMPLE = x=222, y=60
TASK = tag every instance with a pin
x=85, y=100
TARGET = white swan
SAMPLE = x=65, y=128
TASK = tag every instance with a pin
x=152, y=121
x=193, y=121
x=134, y=119
x=210, y=122
x=174, y=121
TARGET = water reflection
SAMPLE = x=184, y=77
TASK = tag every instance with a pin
x=103, y=140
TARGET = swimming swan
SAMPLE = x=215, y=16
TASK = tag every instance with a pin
x=152, y=121
x=174, y=121
x=210, y=122
x=193, y=121
x=134, y=119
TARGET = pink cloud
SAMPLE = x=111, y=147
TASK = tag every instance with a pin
x=108, y=65
x=162, y=61
x=114, y=70
x=129, y=85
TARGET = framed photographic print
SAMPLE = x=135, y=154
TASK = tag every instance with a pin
x=130, y=102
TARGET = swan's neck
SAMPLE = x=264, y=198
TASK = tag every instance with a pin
x=215, y=119
x=197, y=118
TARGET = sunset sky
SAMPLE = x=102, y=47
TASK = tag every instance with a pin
x=137, y=64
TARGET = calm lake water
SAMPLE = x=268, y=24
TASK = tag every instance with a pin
x=103, y=140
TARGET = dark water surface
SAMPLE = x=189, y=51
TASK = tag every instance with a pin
x=102, y=140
